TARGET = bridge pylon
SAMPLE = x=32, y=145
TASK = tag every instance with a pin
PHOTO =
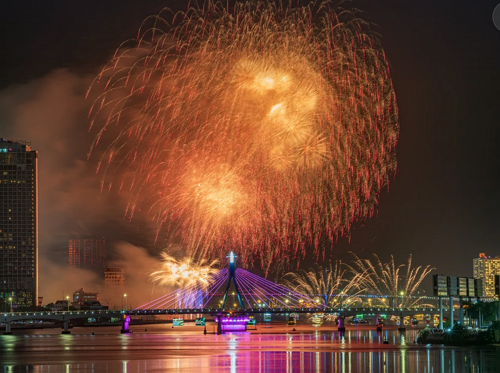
x=232, y=277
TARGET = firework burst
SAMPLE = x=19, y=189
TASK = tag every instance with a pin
x=329, y=285
x=183, y=273
x=265, y=128
x=388, y=279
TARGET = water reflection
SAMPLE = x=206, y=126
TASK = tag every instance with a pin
x=287, y=362
x=188, y=351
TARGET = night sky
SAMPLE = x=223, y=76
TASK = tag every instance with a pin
x=443, y=205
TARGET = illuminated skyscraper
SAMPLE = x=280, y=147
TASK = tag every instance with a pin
x=18, y=224
x=75, y=253
x=88, y=253
x=485, y=268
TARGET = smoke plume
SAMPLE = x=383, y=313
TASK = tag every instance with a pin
x=51, y=112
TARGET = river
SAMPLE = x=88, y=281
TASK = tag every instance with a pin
x=269, y=349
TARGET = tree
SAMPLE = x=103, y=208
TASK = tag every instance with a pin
x=487, y=310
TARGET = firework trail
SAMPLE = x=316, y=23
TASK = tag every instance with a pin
x=264, y=128
x=388, y=279
x=329, y=285
x=183, y=273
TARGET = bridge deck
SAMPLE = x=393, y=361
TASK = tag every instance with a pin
x=61, y=316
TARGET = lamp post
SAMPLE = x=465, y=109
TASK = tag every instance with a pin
x=402, y=293
x=10, y=300
x=67, y=299
x=124, y=300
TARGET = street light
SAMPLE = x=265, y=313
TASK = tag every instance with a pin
x=10, y=300
x=124, y=299
x=67, y=299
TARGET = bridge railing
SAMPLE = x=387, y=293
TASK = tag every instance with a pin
x=86, y=312
x=282, y=310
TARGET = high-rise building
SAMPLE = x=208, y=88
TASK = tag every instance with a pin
x=114, y=278
x=88, y=253
x=485, y=268
x=18, y=224
x=75, y=253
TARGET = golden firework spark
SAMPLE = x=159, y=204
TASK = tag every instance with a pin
x=387, y=279
x=265, y=128
x=183, y=273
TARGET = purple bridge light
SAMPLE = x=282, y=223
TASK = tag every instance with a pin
x=233, y=324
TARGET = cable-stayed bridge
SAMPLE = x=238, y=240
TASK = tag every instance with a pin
x=231, y=291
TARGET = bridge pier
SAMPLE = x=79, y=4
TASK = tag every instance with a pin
x=66, y=325
x=8, y=328
x=341, y=324
x=125, y=324
x=379, y=325
x=402, y=327
x=219, y=324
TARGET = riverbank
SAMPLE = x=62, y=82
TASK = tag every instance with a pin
x=461, y=335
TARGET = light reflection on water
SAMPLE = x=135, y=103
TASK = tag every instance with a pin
x=286, y=361
x=187, y=351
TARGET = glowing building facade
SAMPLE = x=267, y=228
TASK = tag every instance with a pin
x=485, y=268
x=88, y=253
x=18, y=224
x=114, y=278
x=75, y=253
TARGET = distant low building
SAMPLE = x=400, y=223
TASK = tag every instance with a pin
x=60, y=305
x=93, y=306
x=485, y=268
x=80, y=297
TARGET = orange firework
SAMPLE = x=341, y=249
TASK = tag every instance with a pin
x=263, y=129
